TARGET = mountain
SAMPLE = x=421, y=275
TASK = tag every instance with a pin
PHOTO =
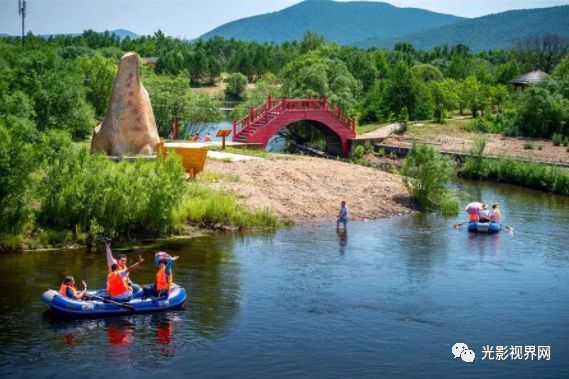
x=121, y=33
x=494, y=31
x=342, y=22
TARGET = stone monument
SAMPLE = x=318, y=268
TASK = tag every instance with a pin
x=129, y=127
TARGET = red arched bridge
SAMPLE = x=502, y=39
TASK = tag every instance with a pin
x=268, y=118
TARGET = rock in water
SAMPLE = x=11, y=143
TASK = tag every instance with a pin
x=129, y=127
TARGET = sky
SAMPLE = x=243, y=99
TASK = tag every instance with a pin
x=192, y=18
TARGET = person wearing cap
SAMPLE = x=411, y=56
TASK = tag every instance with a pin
x=68, y=289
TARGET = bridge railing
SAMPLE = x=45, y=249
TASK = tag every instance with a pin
x=276, y=107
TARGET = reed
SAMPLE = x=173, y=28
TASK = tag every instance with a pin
x=528, y=174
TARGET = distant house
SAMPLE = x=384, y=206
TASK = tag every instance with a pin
x=150, y=61
x=525, y=80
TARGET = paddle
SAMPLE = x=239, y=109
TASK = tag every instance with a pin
x=120, y=305
x=510, y=229
x=456, y=226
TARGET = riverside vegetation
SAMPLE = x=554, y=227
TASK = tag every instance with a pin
x=53, y=90
x=54, y=192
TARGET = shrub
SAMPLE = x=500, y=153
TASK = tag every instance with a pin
x=426, y=175
x=557, y=139
x=125, y=198
x=236, y=85
x=205, y=206
x=528, y=174
x=528, y=145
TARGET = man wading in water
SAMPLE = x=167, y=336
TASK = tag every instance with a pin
x=342, y=216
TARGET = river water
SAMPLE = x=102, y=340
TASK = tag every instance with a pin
x=387, y=299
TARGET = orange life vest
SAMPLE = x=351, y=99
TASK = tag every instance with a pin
x=163, y=282
x=116, y=284
x=63, y=290
x=473, y=217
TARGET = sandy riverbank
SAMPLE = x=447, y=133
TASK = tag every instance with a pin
x=305, y=189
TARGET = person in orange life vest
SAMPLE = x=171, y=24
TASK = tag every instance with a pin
x=473, y=216
x=121, y=261
x=117, y=285
x=164, y=276
x=68, y=289
x=207, y=138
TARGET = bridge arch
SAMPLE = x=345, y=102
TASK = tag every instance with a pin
x=266, y=120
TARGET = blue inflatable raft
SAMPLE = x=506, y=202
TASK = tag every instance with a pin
x=66, y=307
x=484, y=227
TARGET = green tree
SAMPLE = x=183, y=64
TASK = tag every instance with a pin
x=445, y=98
x=236, y=86
x=98, y=73
x=17, y=166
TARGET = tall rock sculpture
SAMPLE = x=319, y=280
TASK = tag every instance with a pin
x=129, y=127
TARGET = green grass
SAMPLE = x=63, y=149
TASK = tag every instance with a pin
x=528, y=174
x=207, y=207
x=233, y=150
x=449, y=206
x=210, y=176
x=362, y=129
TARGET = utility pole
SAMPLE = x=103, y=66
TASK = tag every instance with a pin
x=22, y=12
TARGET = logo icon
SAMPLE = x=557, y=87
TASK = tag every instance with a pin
x=460, y=350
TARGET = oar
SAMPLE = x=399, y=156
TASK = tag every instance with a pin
x=510, y=229
x=456, y=226
x=120, y=305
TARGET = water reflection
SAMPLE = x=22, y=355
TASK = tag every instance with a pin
x=342, y=239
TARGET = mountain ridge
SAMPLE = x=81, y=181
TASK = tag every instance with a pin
x=342, y=22
x=497, y=30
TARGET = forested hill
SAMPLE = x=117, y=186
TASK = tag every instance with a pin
x=496, y=31
x=342, y=22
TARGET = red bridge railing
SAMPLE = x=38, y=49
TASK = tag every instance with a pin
x=276, y=107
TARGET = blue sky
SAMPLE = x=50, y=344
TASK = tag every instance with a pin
x=191, y=18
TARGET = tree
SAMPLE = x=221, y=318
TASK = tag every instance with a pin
x=426, y=73
x=561, y=71
x=17, y=165
x=542, y=111
x=543, y=52
x=445, y=98
x=474, y=95
x=236, y=85
x=310, y=74
x=98, y=73
x=311, y=41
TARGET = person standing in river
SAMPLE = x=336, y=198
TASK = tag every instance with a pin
x=342, y=216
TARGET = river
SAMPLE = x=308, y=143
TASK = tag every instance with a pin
x=388, y=299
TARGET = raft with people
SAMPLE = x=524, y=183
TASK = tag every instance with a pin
x=96, y=305
x=121, y=296
x=483, y=220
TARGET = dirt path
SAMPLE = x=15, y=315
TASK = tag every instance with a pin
x=304, y=189
x=496, y=145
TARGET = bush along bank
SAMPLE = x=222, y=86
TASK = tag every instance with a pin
x=528, y=174
x=58, y=193
x=426, y=175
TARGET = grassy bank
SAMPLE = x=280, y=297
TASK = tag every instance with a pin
x=528, y=174
x=59, y=194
